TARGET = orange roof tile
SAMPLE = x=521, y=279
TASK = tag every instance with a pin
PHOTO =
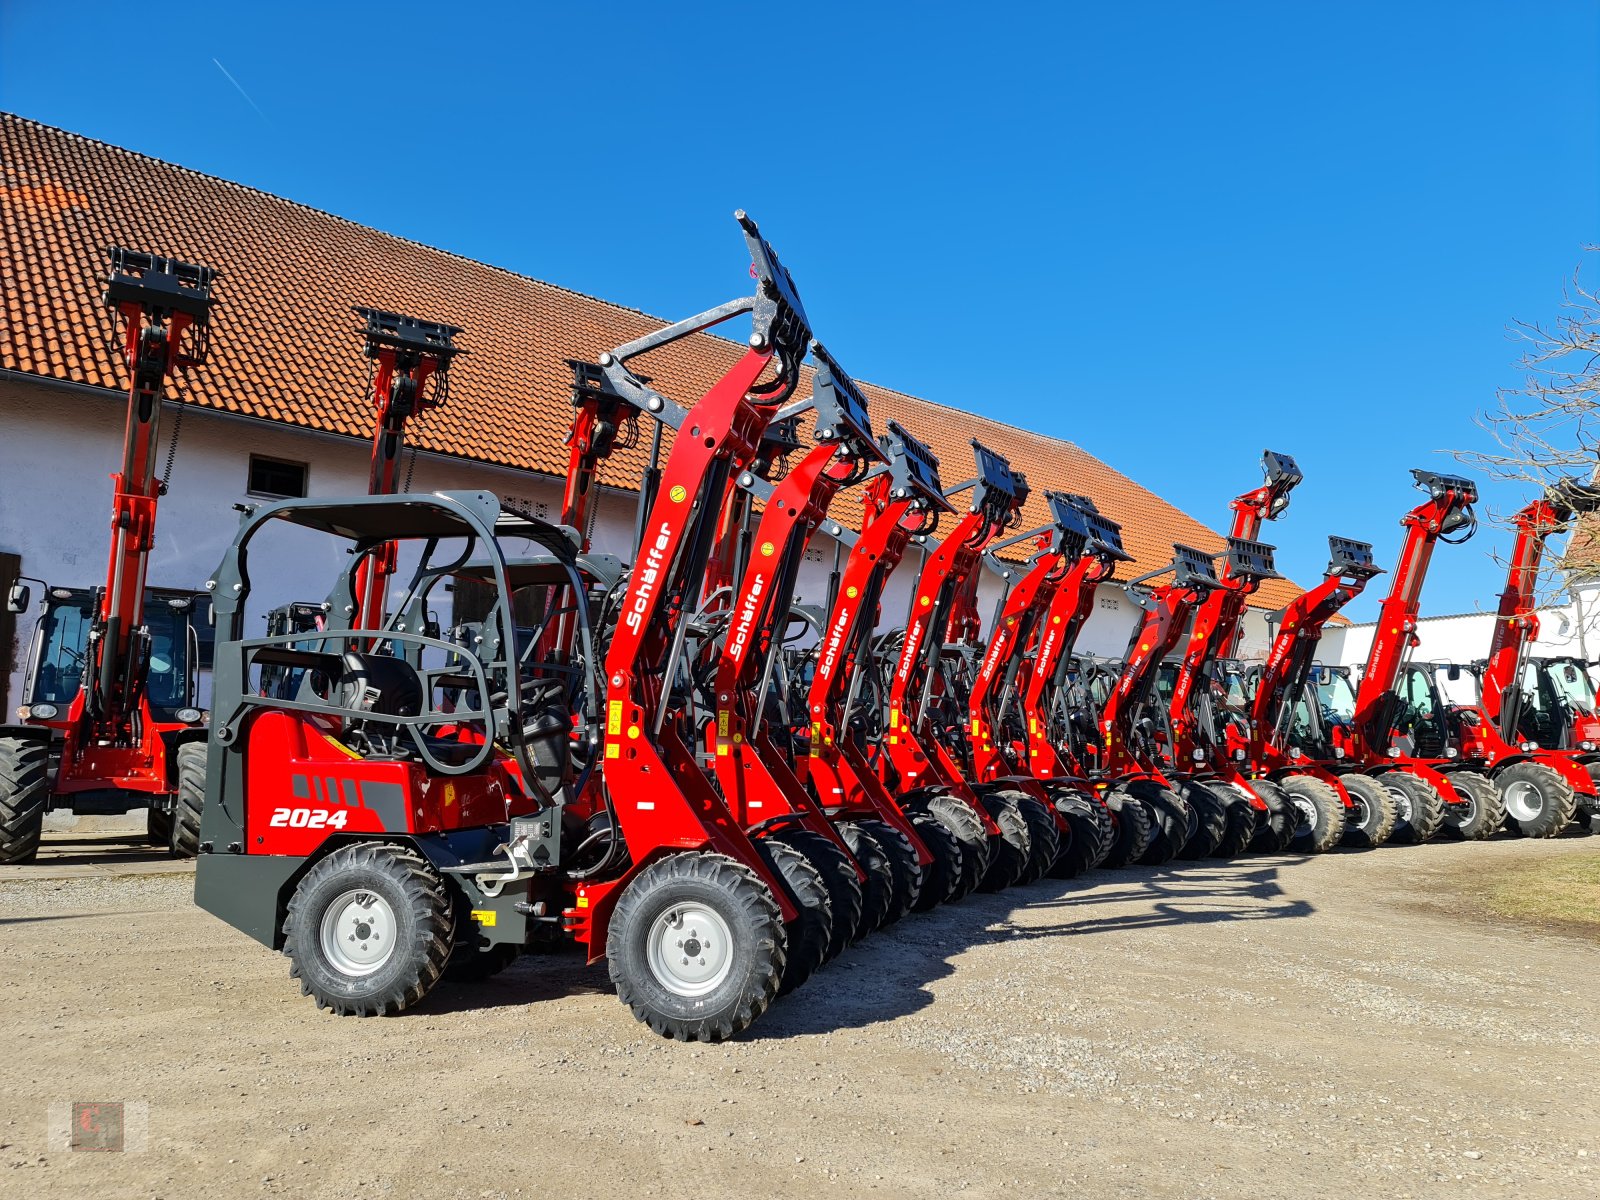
x=291, y=273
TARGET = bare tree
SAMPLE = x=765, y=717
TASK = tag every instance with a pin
x=1546, y=431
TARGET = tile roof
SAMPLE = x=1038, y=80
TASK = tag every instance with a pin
x=290, y=275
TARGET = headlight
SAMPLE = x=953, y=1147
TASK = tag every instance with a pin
x=1338, y=752
x=1530, y=746
x=189, y=716
x=1238, y=755
x=1585, y=745
x=1451, y=752
x=1198, y=756
x=43, y=712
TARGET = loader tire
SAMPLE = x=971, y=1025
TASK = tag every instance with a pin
x=369, y=930
x=1371, y=822
x=1539, y=802
x=1045, y=838
x=1209, y=802
x=906, y=871
x=24, y=795
x=1170, y=820
x=1484, y=812
x=810, y=933
x=1010, y=850
x=1419, y=809
x=673, y=897
x=839, y=876
x=1318, y=812
x=1131, y=829
x=1275, y=827
x=188, y=800
x=1083, y=838
x=1239, y=818
x=957, y=816
x=942, y=878
x=877, y=892
x=1101, y=811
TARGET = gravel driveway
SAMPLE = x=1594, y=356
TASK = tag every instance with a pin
x=1271, y=1028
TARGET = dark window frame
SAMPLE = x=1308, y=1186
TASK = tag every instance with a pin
x=267, y=494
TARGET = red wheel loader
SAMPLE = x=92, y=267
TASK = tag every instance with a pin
x=110, y=697
x=538, y=782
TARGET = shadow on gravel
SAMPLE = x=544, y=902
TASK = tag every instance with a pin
x=889, y=974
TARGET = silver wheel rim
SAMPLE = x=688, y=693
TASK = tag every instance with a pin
x=359, y=932
x=690, y=950
x=1524, y=801
x=1402, y=804
x=1305, y=814
x=1469, y=813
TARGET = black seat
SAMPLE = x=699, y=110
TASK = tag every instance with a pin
x=379, y=685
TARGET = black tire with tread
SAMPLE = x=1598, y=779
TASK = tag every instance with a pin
x=1419, y=809
x=750, y=910
x=1044, y=838
x=957, y=816
x=877, y=893
x=1011, y=849
x=902, y=858
x=425, y=917
x=1486, y=812
x=189, y=798
x=1559, y=802
x=1275, y=827
x=838, y=872
x=1209, y=802
x=1087, y=833
x=1170, y=820
x=1239, y=821
x=1130, y=830
x=1371, y=823
x=941, y=879
x=1325, y=827
x=808, y=936
x=24, y=796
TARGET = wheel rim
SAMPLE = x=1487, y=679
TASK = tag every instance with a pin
x=1524, y=801
x=1467, y=814
x=359, y=932
x=1305, y=814
x=1402, y=804
x=1359, y=812
x=690, y=950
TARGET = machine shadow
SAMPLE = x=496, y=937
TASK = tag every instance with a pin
x=890, y=973
x=892, y=977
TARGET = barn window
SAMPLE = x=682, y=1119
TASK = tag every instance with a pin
x=277, y=478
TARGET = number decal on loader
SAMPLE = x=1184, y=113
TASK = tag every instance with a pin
x=308, y=818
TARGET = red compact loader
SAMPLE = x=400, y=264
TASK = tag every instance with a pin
x=110, y=697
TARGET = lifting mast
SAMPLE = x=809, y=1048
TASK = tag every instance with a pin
x=1447, y=510
x=165, y=307
x=408, y=354
x=1218, y=622
x=1516, y=627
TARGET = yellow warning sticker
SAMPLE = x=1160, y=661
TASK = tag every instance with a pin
x=894, y=718
x=677, y=493
x=583, y=902
x=852, y=591
x=450, y=798
x=975, y=726
x=767, y=549
x=614, y=717
x=485, y=917
x=613, y=750
x=722, y=722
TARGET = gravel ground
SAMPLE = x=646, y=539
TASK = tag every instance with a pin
x=1273, y=1027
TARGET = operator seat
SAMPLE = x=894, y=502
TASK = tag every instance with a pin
x=378, y=684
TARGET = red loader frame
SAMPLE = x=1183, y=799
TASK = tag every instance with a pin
x=111, y=740
x=915, y=763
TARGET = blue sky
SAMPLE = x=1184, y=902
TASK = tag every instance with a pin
x=1173, y=233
